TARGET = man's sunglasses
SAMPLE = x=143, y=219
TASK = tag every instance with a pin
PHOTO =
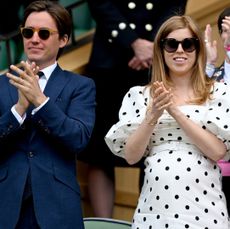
x=188, y=44
x=43, y=33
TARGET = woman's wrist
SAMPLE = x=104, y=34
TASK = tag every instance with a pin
x=152, y=121
x=150, y=118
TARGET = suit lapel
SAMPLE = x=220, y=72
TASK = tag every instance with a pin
x=54, y=86
x=56, y=83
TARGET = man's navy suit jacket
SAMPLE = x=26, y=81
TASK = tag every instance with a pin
x=46, y=144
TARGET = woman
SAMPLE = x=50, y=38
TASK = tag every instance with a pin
x=180, y=122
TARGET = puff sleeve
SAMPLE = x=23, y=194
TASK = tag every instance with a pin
x=217, y=116
x=131, y=114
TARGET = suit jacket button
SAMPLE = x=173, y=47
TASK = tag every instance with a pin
x=31, y=154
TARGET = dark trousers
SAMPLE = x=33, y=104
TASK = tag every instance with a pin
x=27, y=219
x=226, y=190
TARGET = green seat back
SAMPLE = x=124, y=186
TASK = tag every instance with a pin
x=105, y=223
x=82, y=20
x=3, y=56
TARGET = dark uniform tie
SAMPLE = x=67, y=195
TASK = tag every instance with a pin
x=40, y=74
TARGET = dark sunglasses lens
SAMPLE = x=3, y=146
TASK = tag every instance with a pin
x=44, y=34
x=170, y=45
x=189, y=44
x=27, y=33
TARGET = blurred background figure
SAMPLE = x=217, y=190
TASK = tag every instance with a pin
x=220, y=73
x=121, y=57
x=11, y=17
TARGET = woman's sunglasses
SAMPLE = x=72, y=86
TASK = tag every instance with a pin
x=43, y=33
x=188, y=44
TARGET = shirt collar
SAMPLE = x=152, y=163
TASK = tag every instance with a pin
x=227, y=72
x=48, y=70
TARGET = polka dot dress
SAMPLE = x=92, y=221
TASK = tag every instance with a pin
x=182, y=187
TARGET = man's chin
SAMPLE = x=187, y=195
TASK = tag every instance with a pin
x=33, y=58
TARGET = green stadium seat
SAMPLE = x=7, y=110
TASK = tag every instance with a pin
x=105, y=223
x=82, y=20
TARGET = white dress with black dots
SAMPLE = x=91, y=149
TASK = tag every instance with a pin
x=182, y=187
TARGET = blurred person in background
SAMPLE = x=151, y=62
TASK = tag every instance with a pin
x=121, y=57
x=220, y=73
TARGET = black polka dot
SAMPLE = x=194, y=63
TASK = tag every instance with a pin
x=166, y=187
x=176, y=197
x=176, y=216
x=187, y=188
x=167, y=168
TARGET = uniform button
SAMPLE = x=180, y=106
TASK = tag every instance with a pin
x=23, y=127
x=10, y=127
x=122, y=25
x=148, y=27
x=114, y=33
x=31, y=154
x=131, y=5
x=149, y=6
x=47, y=130
x=132, y=26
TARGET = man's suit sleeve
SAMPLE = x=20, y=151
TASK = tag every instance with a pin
x=70, y=119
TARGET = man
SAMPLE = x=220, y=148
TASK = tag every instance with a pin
x=44, y=123
x=121, y=58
